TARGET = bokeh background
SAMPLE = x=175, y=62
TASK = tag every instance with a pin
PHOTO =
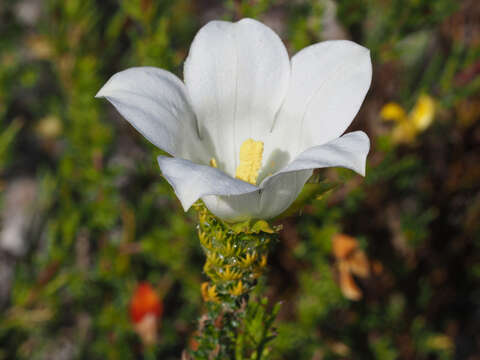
x=382, y=267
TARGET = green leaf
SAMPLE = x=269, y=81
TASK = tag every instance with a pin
x=262, y=226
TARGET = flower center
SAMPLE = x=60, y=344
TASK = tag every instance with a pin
x=251, y=153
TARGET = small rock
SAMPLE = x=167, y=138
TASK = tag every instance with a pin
x=17, y=216
x=28, y=12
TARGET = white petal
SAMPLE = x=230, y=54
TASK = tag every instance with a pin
x=192, y=181
x=348, y=151
x=271, y=201
x=156, y=103
x=234, y=208
x=329, y=81
x=237, y=75
x=280, y=190
x=235, y=200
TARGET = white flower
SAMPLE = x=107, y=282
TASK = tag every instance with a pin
x=247, y=112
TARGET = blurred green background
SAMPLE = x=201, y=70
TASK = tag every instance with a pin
x=86, y=215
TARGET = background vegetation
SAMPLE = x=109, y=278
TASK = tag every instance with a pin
x=86, y=214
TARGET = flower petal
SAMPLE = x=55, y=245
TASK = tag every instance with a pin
x=329, y=81
x=280, y=190
x=192, y=181
x=272, y=200
x=237, y=75
x=156, y=103
x=348, y=151
x=234, y=208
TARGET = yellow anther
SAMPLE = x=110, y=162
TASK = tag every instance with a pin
x=251, y=153
x=238, y=289
x=213, y=162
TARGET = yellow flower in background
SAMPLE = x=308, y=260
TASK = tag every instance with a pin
x=393, y=111
x=408, y=126
x=423, y=112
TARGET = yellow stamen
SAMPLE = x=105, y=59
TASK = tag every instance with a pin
x=251, y=153
x=213, y=162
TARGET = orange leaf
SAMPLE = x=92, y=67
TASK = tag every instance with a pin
x=348, y=286
x=343, y=245
x=358, y=264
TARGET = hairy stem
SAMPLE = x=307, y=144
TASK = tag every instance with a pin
x=236, y=257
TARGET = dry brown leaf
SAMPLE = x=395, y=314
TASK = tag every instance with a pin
x=359, y=264
x=343, y=245
x=147, y=329
x=348, y=286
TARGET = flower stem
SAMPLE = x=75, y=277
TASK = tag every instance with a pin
x=236, y=257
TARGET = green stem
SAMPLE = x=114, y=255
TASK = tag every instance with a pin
x=236, y=256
